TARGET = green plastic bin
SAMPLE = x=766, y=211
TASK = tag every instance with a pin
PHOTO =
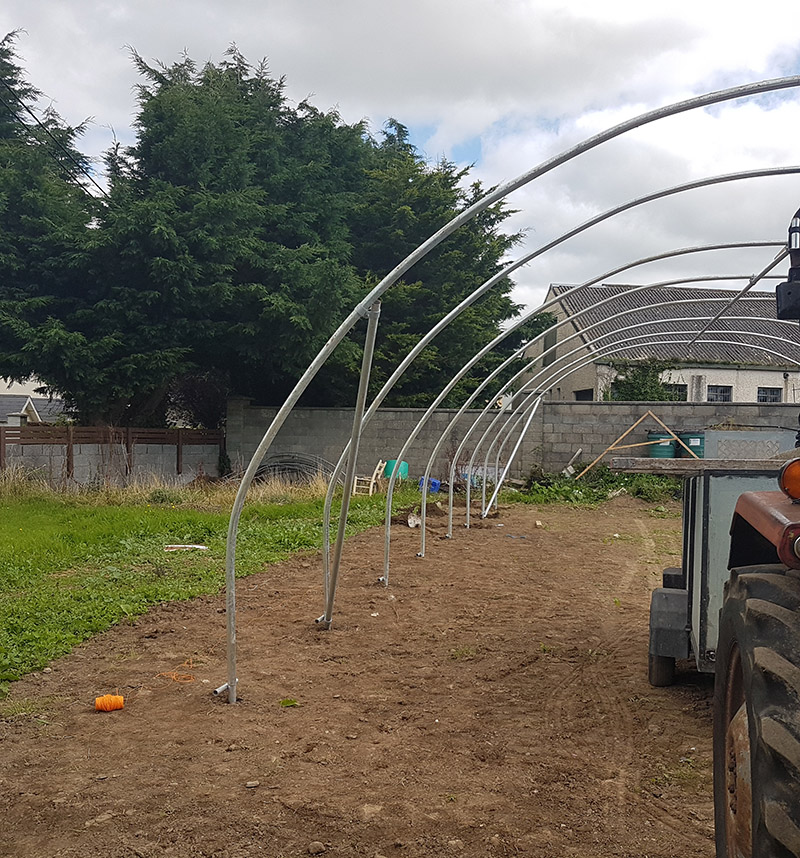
x=662, y=445
x=402, y=471
x=695, y=441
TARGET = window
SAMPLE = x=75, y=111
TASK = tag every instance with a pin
x=550, y=339
x=770, y=394
x=677, y=392
x=586, y=395
x=719, y=393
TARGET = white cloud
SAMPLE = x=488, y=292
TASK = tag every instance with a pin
x=526, y=78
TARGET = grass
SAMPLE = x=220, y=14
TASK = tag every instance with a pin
x=74, y=563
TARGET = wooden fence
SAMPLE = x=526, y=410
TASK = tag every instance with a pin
x=128, y=437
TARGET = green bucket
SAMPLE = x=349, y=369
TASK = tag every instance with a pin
x=695, y=441
x=402, y=471
x=662, y=445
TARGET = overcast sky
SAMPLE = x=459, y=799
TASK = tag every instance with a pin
x=501, y=84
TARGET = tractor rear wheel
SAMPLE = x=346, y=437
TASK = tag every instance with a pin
x=757, y=716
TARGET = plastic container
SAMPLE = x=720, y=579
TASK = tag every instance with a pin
x=402, y=471
x=433, y=485
x=662, y=445
x=695, y=441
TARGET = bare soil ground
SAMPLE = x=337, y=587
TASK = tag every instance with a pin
x=492, y=701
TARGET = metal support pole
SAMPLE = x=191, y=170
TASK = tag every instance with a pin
x=350, y=473
x=782, y=254
x=522, y=434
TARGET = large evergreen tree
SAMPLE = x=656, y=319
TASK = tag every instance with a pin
x=237, y=233
x=44, y=221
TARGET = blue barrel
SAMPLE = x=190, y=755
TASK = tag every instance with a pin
x=662, y=445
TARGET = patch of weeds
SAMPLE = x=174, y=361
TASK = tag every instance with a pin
x=288, y=702
x=687, y=773
x=594, y=655
x=463, y=653
x=19, y=708
x=547, y=649
x=663, y=512
x=128, y=655
x=596, y=486
x=163, y=494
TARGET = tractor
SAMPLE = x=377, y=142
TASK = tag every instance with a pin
x=734, y=607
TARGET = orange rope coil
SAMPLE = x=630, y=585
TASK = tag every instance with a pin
x=109, y=702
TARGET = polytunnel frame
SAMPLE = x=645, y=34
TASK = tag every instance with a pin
x=577, y=349
x=361, y=309
x=589, y=343
x=593, y=357
x=779, y=257
x=729, y=302
x=488, y=407
x=560, y=373
x=329, y=592
x=454, y=421
x=486, y=349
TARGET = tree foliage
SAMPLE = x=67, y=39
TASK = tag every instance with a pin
x=238, y=232
x=640, y=381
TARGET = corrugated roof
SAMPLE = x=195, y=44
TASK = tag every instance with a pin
x=639, y=309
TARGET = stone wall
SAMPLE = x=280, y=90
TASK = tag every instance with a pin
x=558, y=430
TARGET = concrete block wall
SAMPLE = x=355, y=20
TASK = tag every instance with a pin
x=593, y=426
x=324, y=432
x=50, y=461
x=104, y=463
x=557, y=431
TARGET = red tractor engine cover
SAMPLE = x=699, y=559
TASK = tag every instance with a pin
x=765, y=529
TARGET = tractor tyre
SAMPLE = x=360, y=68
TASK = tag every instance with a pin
x=660, y=670
x=757, y=716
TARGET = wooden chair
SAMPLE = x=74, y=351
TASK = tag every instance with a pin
x=368, y=485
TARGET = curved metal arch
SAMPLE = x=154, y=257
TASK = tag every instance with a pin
x=362, y=308
x=325, y=619
x=516, y=376
x=581, y=362
x=519, y=352
x=490, y=346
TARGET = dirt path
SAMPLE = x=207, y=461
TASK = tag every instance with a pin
x=492, y=701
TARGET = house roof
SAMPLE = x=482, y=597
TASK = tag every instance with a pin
x=47, y=410
x=639, y=310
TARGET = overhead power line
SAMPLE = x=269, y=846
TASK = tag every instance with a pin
x=82, y=171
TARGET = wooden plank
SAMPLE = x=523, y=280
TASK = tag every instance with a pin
x=70, y=454
x=690, y=467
